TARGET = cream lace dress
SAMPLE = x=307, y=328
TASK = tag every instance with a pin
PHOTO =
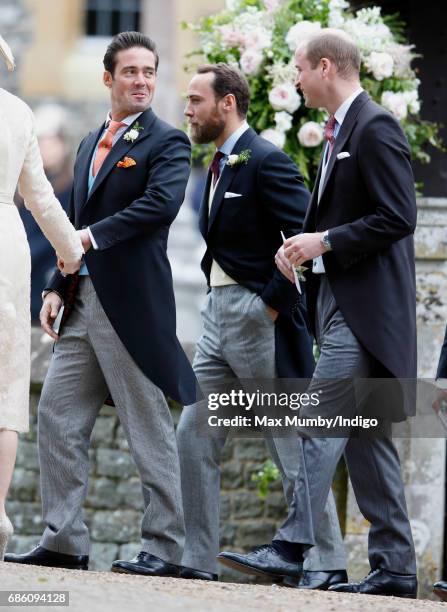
x=20, y=163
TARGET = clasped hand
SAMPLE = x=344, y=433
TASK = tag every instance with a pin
x=72, y=267
x=297, y=250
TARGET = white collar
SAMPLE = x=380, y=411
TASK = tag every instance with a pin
x=127, y=120
x=228, y=145
x=342, y=110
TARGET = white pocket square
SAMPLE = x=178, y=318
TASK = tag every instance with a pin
x=343, y=155
x=230, y=194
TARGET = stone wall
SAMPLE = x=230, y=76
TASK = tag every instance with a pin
x=114, y=501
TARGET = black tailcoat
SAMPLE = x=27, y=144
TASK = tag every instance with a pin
x=243, y=234
x=368, y=205
x=129, y=211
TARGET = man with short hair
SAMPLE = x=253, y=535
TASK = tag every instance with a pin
x=118, y=333
x=358, y=236
x=253, y=321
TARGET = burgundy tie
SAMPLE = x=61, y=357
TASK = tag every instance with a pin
x=215, y=166
x=329, y=132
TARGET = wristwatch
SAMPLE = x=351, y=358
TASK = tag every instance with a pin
x=325, y=240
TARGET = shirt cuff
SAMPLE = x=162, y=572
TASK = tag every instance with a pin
x=92, y=240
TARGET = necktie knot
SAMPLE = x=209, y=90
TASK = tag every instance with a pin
x=111, y=130
x=329, y=129
x=114, y=126
x=215, y=166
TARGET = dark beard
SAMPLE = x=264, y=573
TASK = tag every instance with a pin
x=204, y=134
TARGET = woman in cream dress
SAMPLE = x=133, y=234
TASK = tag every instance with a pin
x=21, y=165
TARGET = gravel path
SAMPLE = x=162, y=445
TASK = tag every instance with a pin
x=107, y=592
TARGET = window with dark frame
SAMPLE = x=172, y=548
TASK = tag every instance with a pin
x=108, y=17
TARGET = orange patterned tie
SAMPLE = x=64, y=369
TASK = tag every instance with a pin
x=105, y=145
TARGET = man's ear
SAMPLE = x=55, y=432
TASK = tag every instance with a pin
x=325, y=65
x=229, y=102
x=107, y=79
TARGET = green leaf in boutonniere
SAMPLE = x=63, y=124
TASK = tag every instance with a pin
x=133, y=134
x=300, y=272
x=242, y=158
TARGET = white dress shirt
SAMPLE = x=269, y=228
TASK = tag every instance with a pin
x=219, y=278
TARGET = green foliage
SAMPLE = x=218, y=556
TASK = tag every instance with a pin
x=268, y=474
x=245, y=15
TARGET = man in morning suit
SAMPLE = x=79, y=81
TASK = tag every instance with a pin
x=358, y=238
x=440, y=587
x=253, y=319
x=120, y=336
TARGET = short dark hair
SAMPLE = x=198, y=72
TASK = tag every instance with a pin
x=338, y=47
x=228, y=80
x=127, y=40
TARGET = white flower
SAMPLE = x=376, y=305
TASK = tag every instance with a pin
x=275, y=137
x=300, y=31
x=281, y=73
x=232, y=5
x=338, y=5
x=241, y=158
x=402, y=56
x=232, y=160
x=310, y=134
x=207, y=47
x=131, y=135
x=258, y=39
x=369, y=32
x=395, y=103
x=412, y=100
x=380, y=64
x=336, y=8
x=250, y=61
x=283, y=121
x=231, y=36
x=272, y=5
x=284, y=97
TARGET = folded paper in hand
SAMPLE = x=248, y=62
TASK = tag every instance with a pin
x=295, y=271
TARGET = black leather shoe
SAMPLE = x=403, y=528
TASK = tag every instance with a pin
x=381, y=582
x=48, y=558
x=261, y=561
x=146, y=565
x=193, y=574
x=317, y=581
x=440, y=589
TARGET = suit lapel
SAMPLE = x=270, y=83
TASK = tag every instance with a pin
x=227, y=176
x=313, y=203
x=121, y=148
x=343, y=135
x=204, y=205
x=83, y=161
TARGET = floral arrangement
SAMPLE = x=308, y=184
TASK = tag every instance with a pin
x=260, y=37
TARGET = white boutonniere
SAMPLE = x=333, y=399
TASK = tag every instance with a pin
x=133, y=134
x=242, y=158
